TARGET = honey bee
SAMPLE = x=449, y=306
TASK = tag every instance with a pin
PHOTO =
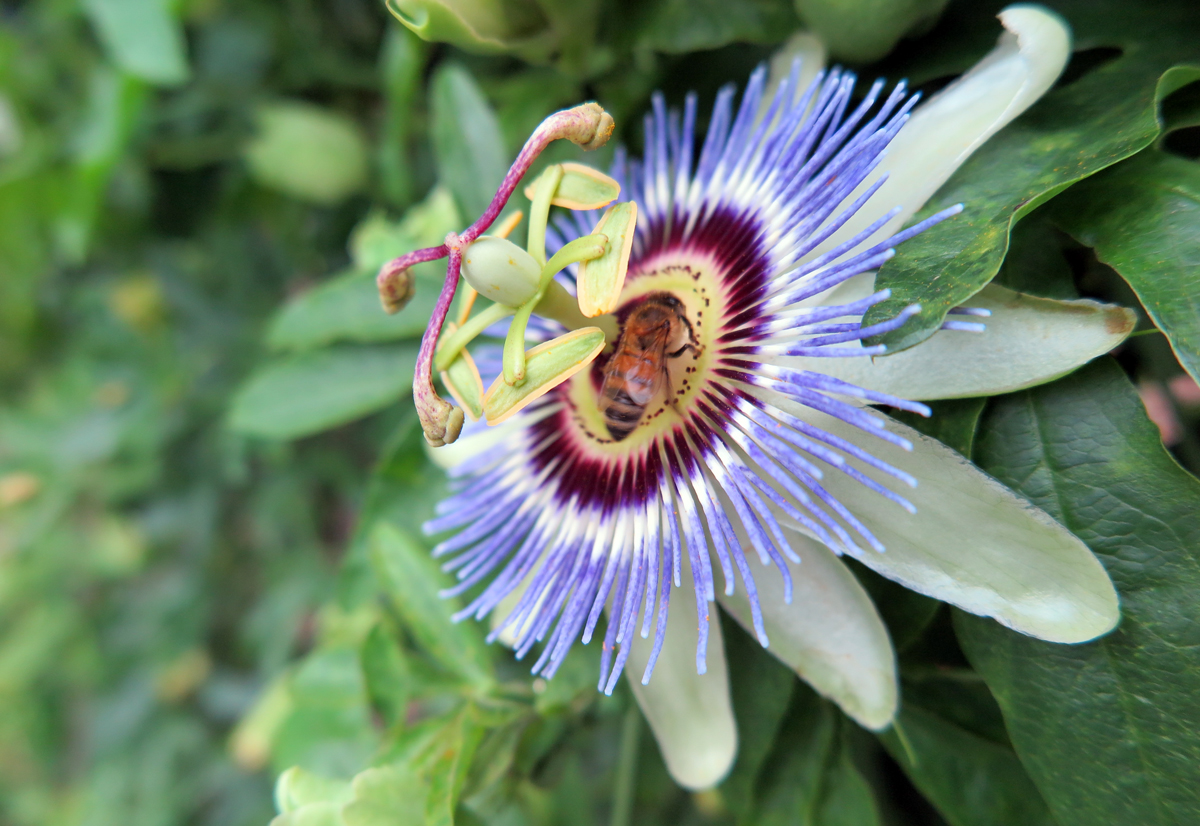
x=638, y=368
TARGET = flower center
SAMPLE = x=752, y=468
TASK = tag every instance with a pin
x=680, y=371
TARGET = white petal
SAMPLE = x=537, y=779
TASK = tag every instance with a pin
x=813, y=57
x=830, y=634
x=944, y=131
x=690, y=714
x=973, y=542
x=1028, y=341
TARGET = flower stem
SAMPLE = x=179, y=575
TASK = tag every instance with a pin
x=440, y=422
x=631, y=730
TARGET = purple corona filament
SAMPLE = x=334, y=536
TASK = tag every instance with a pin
x=558, y=521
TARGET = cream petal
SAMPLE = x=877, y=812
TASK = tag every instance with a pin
x=812, y=55
x=690, y=714
x=945, y=130
x=830, y=634
x=1028, y=341
x=973, y=542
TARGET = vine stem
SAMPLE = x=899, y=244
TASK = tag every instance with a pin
x=631, y=731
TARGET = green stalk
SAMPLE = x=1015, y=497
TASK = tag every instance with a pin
x=454, y=343
x=539, y=212
x=559, y=305
x=581, y=249
x=631, y=731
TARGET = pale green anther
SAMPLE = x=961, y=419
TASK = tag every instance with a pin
x=453, y=344
x=547, y=366
x=462, y=380
x=581, y=188
x=501, y=271
x=581, y=249
x=539, y=212
x=601, y=279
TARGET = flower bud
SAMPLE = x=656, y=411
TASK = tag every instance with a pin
x=500, y=270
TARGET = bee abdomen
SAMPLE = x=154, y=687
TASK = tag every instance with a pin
x=622, y=413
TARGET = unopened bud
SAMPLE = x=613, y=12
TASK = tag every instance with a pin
x=592, y=126
x=501, y=271
x=396, y=290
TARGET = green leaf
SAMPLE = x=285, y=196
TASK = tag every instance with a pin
x=676, y=26
x=411, y=577
x=328, y=730
x=304, y=394
x=142, y=37
x=448, y=771
x=387, y=674
x=401, y=67
x=347, y=308
x=864, y=30
x=761, y=689
x=809, y=777
x=297, y=787
x=308, y=152
x=846, y=797
x=467, y=141
x=1105, y=728
x=115, y=103
x=790, y=787
x=1143, y=219
x=1076, y=130
x=953, y=422
x=972, y=781
x=386, y=796
x=404, y=488
x=376, y=240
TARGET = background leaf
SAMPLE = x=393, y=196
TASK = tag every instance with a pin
x=304, y=394
x=347, y=308
x=143, y=38
x=413, y=580
x=467, y=141
x=1143, y=219
x=1106, y=729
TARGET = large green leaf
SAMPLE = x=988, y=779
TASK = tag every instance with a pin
x=413, y=581
x=760, y=688
x=467, y=141
x=972, y=781
x=809, y=778
x=1076, y=130
x=404, y=488
x=304, y=394
x=1143, y=219
x=1109, y=730
x=687, y=25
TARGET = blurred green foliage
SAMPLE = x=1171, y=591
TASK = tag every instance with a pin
x=212, y=580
